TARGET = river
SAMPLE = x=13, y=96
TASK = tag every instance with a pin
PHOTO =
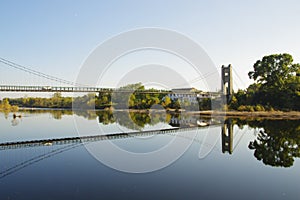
x=122, y=155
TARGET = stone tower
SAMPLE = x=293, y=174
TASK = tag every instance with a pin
x=227, y=83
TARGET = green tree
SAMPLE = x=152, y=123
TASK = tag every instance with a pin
x=205, y=104
x=103, y=100
x=277, y=83
x=274, y=70
x=176, y=104
x=166, y=102
x=56, y=100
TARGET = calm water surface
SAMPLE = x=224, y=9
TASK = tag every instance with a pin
x=259, y=159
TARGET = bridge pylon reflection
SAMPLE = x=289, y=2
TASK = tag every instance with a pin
x=227, y=136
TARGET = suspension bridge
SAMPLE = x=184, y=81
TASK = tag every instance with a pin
x=74, y=87
x=54, y=146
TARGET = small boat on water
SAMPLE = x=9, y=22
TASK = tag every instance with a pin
x=15, y=116
x=202, y=123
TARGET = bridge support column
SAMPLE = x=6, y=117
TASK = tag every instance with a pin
x=227, y=136
x=227, y=83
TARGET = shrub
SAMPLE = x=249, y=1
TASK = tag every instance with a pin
x=259, y=108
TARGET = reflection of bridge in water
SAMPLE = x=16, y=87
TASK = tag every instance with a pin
x=47, y=148
x=93, y=138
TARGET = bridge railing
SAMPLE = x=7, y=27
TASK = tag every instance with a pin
x=10, y=88
x=15, y=88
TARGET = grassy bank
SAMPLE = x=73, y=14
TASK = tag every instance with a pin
x=255, y=114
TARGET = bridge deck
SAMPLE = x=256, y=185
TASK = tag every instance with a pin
x=12, y=88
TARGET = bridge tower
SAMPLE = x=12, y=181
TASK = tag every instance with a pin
x=227, y=83
x=227, y=136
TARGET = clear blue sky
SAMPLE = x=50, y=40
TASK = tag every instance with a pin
x=56, y=36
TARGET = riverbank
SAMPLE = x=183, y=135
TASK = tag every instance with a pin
x=244, y=114
x=255, y=114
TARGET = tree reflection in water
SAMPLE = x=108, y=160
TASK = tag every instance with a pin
x=278, y=143
x=130, y=119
